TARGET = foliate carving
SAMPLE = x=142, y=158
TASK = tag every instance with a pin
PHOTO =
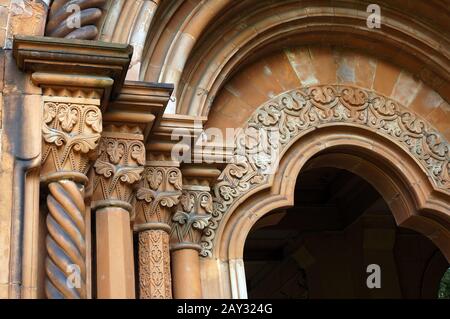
x=158, y=192
x=192, y=216
x=118, y=167
x=294, y=112
x=154, y=265
x=70, y=131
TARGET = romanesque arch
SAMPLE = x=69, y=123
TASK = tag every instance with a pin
x=400, y=154
x=310, y=77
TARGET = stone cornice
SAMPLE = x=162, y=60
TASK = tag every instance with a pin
x=199, y=176
x=74, y=57
x=174, y=133
x=191, y=126
x=141, y=104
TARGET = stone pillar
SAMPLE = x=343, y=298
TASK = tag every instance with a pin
x=117, y=169
x=71, y=129
x=128, y=123
x=190, y=219
x=157, y=197
x=76, y=85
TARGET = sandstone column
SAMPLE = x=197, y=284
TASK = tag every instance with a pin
x=128, y=123
x=75, y=85
x=117, y=170
x=71, y=130
x=157, y=197
x=190, y=219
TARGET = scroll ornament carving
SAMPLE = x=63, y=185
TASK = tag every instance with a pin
x=296, y=111
x=159, y=191
x=154, y=267
x=192, y=216
x=70, y=131
x=118, y=167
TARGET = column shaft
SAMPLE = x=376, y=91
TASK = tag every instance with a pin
x=115, y=271
x=157, y=197
x=154, y=265
x=118, y=167
x=186, y=274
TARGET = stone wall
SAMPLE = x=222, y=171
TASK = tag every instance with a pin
x=19, y=99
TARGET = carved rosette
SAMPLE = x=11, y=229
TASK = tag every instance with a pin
x=157, y=196
x=71, y=131
x=292, y=113
x=191, y=218
x=117, y=169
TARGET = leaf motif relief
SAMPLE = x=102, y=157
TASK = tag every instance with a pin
x=104, y=168
x=49, y=112
x=206, y=203
x=180, y=217
x=138, y=154
x=53, y=136
x=145, y=194
x=115, y=151
x=327, y=104
x=187, y=202
x=200, y=221
x=84, y=143
x=175, y=179
x=130, y=175
x=168, y=199
x=68, y=117
x=94, y=120
x=155, y=178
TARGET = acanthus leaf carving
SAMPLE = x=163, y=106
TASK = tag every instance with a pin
x=66, y=132
x=117, y=170
x=157, y=194
x=295, y=111
x=192, y=216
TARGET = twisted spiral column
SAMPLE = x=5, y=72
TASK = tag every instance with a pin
x=65, y=242
x=70, y=133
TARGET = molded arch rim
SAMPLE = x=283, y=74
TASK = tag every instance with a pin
x=403, y=184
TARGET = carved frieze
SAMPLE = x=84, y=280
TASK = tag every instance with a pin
x=292, y=113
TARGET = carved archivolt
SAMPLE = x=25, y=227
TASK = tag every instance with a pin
x=289, y=114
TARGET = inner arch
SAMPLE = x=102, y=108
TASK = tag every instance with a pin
x=322, y=245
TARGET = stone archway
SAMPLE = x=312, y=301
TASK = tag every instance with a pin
x=399, y=153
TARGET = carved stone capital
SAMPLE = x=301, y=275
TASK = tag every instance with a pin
x=157, y=196
x=71, y=129
x=118, y=169
x=191, y=217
